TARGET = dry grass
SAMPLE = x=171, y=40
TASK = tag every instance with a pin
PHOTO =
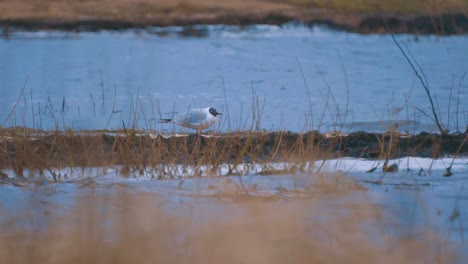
x=128, y=226
x=142, y=10
x=32, y=154
x=388, y=6
x=139, y=152
x=128, y=9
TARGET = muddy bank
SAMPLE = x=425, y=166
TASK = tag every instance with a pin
x=444, y=24
x=35, y=150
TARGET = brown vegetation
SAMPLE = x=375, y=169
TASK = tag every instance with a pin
x=138, y=151
x=335, y=224
x=441, y=17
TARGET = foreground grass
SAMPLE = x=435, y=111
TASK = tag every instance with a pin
x=118, y=224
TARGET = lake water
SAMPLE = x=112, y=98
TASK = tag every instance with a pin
x=295, y=77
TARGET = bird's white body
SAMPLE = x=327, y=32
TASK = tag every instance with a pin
x=197, y=118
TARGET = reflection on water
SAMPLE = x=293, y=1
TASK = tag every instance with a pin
x=94, y=80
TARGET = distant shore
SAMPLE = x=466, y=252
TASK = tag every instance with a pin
x=123, y=14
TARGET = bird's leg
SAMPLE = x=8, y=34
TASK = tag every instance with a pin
x=200, y=133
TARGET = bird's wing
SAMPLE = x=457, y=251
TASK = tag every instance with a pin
x=191, y=117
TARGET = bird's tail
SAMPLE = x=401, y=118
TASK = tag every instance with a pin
x=165, y=120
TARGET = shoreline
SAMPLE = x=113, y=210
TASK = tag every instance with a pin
x=39, y=150
x=442, y=24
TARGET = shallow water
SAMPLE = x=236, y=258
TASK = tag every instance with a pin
x=108, y=208
x=104, y=79
x=395, y=205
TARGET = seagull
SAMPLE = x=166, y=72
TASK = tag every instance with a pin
x=197, y=118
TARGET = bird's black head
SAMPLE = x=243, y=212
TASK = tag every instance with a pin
x=214, y=112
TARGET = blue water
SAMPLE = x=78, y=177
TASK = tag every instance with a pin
x=106, y=79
